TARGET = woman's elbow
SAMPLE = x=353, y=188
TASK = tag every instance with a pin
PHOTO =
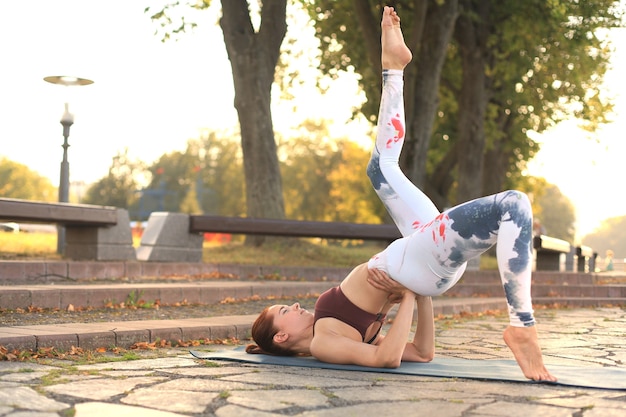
x=428, y=357
x=392, y=363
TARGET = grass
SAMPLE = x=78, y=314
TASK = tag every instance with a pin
x=284, y=252
x=292, y=252
x=28, y=245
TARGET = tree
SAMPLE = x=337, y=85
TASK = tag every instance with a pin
x=349, y=34
x=513, y=60
x=549, y=66
x=218, y=173
x=308, y=160
x=324, y=180
x=253, y=55
x=352, y=197
x=18, y=181
x=207, y=178
x=511, y=67
x=119, y=187
x=171, y=181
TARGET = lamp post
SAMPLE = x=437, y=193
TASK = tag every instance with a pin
x=67, y=120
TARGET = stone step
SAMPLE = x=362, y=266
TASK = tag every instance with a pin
x=541, y=290
x=126, y=333
x=97, y=295
x=62, y=272
x=214, y=291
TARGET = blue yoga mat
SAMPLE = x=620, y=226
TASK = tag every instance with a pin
x=500, y=370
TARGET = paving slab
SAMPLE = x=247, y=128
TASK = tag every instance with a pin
x=170, y=382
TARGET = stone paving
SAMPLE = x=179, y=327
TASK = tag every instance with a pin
x=169, y=382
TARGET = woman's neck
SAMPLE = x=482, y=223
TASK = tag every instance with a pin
x=303, y=346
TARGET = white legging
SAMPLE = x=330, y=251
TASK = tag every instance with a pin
x=433, y=252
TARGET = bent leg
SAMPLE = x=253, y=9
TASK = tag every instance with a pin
x=506, y=219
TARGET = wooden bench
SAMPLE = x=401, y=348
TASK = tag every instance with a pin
x=92, y=232
x=292, y=228
x=177, y=237
x=549, y=253
x=61, y=213
x=586, y=259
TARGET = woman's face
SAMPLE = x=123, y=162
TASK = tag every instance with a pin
x=291, y=319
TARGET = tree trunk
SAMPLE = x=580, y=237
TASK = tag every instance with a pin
x=253, y=57
x=422, y=81
x=441, y=180
x=495, y=170
x=471, y=34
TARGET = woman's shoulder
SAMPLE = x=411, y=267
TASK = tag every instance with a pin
x=329, y=329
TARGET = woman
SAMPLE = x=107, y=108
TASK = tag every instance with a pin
x=429, y=259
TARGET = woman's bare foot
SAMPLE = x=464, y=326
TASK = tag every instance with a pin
x=523, y=341
x=395, y=53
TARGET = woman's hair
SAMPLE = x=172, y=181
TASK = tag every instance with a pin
x=263, y=332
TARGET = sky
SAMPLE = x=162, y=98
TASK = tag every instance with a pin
x=151, y=97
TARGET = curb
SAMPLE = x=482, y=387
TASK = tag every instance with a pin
x=126, y=333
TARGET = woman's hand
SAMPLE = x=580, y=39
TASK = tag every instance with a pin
x=381, y=281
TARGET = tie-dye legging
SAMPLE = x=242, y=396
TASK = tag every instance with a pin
x=433, y=254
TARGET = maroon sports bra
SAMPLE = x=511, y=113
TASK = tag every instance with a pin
x=333, y=303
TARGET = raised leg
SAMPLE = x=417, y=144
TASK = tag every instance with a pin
x=408, y=206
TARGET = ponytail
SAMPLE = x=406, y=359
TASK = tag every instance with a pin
x=254, y=349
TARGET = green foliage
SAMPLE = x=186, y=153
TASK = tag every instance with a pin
x=206, y=178
x=322, y=179
x=119, y=187
x=325, y=179
x=18, y=181
x=352, y=198
x=546, y=64
x=305, y=169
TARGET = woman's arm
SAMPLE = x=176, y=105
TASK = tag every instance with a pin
x=330, y=343
x=422, y=349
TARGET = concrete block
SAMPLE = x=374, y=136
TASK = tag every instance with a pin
x=95, y=340
x=46, y=298
x=223, y=332
x=196, y=333
x=172, y=334
x=167, y=239
x=24, y=342
x=126, y=338
x=63, y=342
x=112, y=243
x=20, y=272
x=14, y=298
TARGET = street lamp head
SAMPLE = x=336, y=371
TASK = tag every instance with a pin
x=67, y=80
x=67, y=118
